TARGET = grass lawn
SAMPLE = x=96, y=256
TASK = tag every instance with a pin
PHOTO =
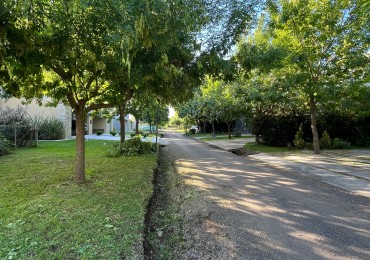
x=223, y=137
x=264, y=148
x=44, y=215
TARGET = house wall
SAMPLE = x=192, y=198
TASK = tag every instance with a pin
x=129, y=123
x=61, y=112
x=100, y=124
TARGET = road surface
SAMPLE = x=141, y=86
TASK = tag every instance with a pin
x=242, y=208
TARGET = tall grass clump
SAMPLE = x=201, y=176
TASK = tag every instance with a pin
x=51, y=129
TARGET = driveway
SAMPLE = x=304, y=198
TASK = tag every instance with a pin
x=245, y=208
x=346, y=169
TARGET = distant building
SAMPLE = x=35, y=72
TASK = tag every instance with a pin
x=65, y=114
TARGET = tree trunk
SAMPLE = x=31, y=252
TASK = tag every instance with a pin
x=80, y=146
x=122, y=114
x=213, y=129
x=150, y=127
x=315, y=135
x=229, y=129
x=137, y=125
x=204, y=127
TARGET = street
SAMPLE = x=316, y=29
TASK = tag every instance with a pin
x=243, y=208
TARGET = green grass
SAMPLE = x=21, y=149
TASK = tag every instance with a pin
x=264, y=148
x=45, y=215
x=224, y=138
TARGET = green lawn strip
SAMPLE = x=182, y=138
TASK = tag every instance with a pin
x=224, y=138
x=44, y=215
x=264, y=148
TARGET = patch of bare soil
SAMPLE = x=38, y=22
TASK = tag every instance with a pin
x=177, y=218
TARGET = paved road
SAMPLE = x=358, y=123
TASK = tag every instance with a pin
x=251, y=210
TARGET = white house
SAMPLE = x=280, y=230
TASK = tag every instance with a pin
x=65, y=114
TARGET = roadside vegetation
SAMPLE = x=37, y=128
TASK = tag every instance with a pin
x=45, y=215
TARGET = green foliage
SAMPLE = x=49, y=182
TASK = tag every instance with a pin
x=5, y=146
x=325, y=140
x=113, y=133
x=115, y=150
x=340, y=144
x=51, y=129
x=308, y=146
x=131, y=147
x=192, y=131
x=277, y=129
x=300, y=57
x=176, y=121
x=187, y=133
x=99, y=132
x=298, y=138
x=16, y=126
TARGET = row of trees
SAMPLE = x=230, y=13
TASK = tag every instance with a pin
x=302, y=57
x=99, y=54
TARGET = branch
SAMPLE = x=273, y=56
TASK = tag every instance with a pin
x=98, y=106
x=63, y=74
x=72, y=101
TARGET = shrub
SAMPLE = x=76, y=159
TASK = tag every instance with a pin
x=298, y=138
x=192, y=131
x=115, y=150
x=113, y=133
x=133, y=146
x=12, y=116
x=308, y=146
x=16, y=124
x=237, y=134
x=364, y=142
x=99, y=132
x=340, y=144
x=325, y=140
x=5, y=146
x=51, y=129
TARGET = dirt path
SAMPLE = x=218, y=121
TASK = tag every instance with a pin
x=240, y=208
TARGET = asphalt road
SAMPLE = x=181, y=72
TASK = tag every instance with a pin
x=242, y=208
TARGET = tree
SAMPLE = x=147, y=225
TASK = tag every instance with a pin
x=84, y=53
x=73, y=43
x=324, y=51
x=232, y=108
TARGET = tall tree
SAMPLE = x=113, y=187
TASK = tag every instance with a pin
x=73, y=43
x=324, y=45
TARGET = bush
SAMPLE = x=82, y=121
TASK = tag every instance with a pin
x=134, y=146
x=364, y=142
x=113, y=133
x=325, y=140
x=298, y=138
x=308, y=146
x=340, y=144
x=51, y=129
x=192, y=131
x=16, y=124
x=115, y=150
x=5, y=146
x=237, y=134
x=99, y=132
